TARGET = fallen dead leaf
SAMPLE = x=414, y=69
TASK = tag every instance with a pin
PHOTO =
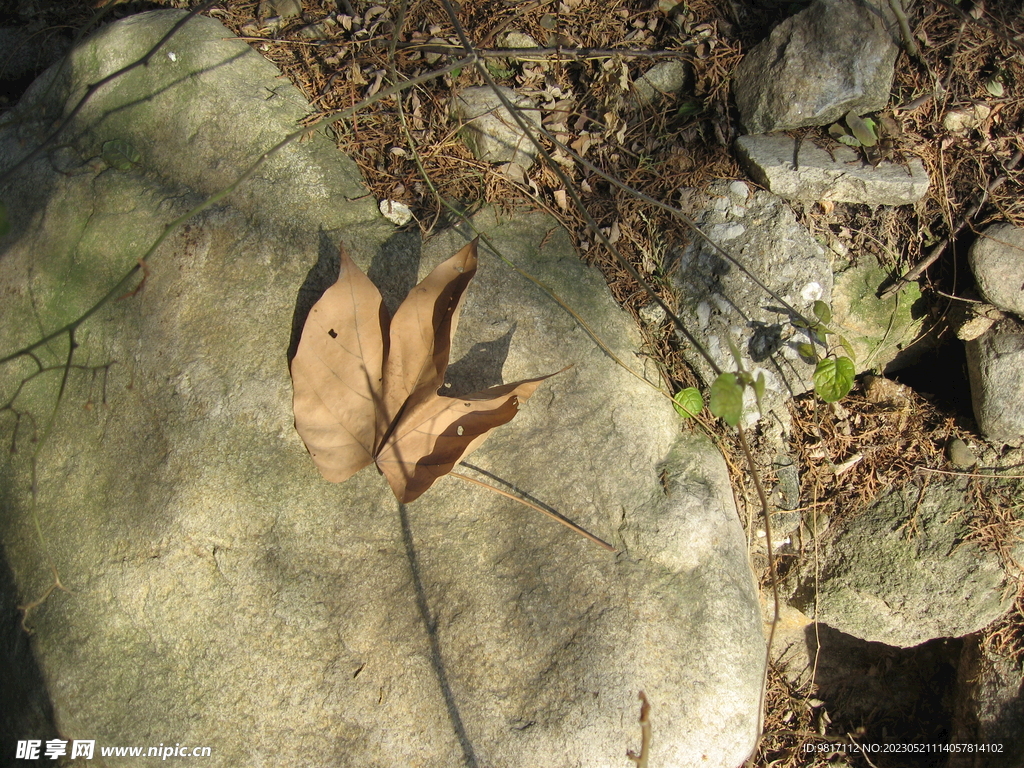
x=365, y=385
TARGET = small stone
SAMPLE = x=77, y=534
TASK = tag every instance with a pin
x=653, y=315
x=972, y=320
x=882, y=391
x=516, y=39
x=960, y=454
x=490, y=131
x=282, y=8
x=960, y=121
x=663, y=79
x=994, y=363
x=432, y=57
x=397, y=213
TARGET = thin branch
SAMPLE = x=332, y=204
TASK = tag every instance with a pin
x=544, y=54
x=772, y=572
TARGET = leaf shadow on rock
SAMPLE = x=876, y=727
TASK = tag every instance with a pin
x=765, y=339
x=394, y=272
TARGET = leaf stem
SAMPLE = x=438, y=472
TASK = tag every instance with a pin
x=553, y=515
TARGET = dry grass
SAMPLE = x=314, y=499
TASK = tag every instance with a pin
x=408, y=151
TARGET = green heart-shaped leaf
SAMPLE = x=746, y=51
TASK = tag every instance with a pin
x=688, y=402
x=833, y=378
x=726, y=398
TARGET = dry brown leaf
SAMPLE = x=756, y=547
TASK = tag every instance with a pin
x=366, y=384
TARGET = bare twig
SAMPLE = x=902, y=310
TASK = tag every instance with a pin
x=965, y=218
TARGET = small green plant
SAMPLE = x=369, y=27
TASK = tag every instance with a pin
x=833, y=374
x=858, y=131
x=725, y=400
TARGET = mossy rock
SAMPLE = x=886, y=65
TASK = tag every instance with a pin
x=881, y=331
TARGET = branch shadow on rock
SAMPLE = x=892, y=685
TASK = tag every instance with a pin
x=436, y=658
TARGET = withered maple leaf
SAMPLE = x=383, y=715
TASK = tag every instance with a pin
x=366, y=385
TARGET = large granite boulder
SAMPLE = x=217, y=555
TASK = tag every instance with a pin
x=218, y=591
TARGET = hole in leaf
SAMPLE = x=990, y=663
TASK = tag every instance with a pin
x=332, y=333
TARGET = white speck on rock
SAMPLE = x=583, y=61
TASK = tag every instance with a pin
x=811, y=292
x=397, y=213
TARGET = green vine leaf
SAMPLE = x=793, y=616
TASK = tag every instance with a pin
x=726, y=398
x=121, y=155
x=833, y=378
x=863, y=128
x=688, y=402
x=806, y=351
x=823, y=311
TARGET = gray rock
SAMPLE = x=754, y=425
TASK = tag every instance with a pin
x=490, y=131
x=219, y=589
x=832, y=57
x=516, y=39
x=997, y=260
x=960, y=454
x=663, y=79
x=994, y=363
x=905, y=571
x=804, y=171
x=283, y=8
x=970, y=319
x=988, y=708
x=718, y=301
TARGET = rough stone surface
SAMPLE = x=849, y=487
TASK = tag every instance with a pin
x=997, y=260
x=803, y=171
x=663, y=79
x=989, y=708
x=718, y=301
x=490, y=131
x=905, y=570
x=832, y=57
x=994, y=363
x=882, y=332
x=220, y=590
